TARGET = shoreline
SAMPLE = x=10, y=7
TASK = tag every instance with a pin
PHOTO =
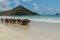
x=46, y=20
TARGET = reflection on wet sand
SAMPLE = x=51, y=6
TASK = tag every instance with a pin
x=16, y=27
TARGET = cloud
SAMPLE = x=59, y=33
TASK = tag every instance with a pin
x=54, y=9
x=26, y=0
x=50, y=11
x=4, y=4
x=16, y=2
x=36, y=6
x=57, y=9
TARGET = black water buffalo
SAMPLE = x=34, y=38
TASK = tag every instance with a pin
x=19, y=21
x=14, y=21
x=25, y=22
x=10, y=20
x=6, y=20
x=2, y=20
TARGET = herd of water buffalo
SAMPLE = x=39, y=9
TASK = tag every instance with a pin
x=19, y=21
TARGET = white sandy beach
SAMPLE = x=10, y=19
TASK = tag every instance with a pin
x=36, y=30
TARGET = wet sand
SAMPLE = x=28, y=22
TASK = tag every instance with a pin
x=36, y=30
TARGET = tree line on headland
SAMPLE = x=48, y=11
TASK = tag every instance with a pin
x=19, y=10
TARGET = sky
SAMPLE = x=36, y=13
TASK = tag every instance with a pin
x=42, y=7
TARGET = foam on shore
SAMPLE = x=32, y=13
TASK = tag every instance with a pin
x=46, y=20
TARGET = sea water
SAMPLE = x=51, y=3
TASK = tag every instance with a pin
x=53, y=19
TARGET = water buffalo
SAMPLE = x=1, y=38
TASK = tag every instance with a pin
x=22, y=22
x=19, y=21
x=6, y=20
x=10, y=20
x=25, y=22
x=2, y=20
x=14, y=21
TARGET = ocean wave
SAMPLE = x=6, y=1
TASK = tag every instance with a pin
x=46, y=20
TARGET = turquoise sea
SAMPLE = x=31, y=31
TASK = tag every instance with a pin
x=31, y=16
x=55, y=18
